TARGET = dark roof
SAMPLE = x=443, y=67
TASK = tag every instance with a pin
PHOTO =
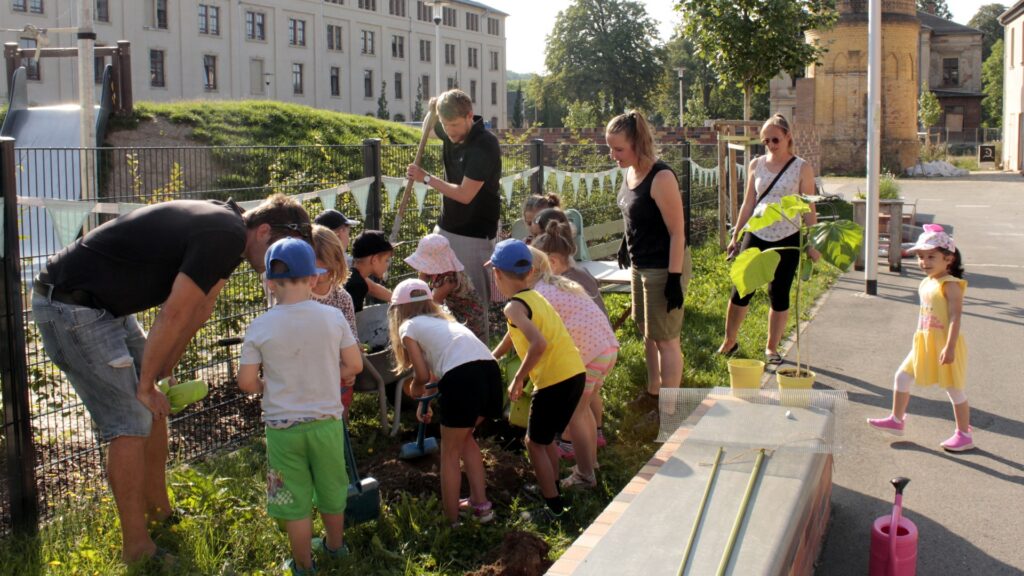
x=943, y=26
x=946, y=93
x=1011, y=14
x=481, y=5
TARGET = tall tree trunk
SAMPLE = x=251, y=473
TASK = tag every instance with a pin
x=747, y=93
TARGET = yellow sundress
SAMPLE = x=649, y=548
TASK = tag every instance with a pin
x=932, y=330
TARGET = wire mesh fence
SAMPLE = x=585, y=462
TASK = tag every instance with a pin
x=68, y=457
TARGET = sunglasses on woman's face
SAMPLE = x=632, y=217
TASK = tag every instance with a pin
x=774, y=140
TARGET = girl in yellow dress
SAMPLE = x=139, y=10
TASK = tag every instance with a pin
x=939, y=355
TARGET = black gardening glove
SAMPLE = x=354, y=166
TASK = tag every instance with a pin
x=674, y=291
x=623, y=255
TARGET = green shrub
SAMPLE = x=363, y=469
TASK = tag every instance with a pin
x=931, y=152
x=965, y=162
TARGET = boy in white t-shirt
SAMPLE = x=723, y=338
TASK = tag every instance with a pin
x=305, y=349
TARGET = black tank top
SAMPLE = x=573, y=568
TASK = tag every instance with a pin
x=647, y=236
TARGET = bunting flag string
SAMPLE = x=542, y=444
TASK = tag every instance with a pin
x=419, y=189
x=67, y=216
x=506, y=186
x=328, y=197
x=394, y=187
x=361, y=194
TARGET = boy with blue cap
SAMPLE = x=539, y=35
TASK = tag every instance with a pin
x=305, y=349
x=548, y=357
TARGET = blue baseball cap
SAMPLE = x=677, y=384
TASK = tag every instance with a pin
x=297, y=256
x=511, y=256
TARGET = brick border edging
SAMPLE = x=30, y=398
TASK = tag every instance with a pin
x=591, y=537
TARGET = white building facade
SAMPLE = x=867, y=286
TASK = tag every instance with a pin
x=329, y=54
x=1013, y=87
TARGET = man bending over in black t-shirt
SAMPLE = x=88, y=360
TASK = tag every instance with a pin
x=471, y=205
x=176, y=255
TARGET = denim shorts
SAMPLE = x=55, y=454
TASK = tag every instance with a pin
x=102, y=357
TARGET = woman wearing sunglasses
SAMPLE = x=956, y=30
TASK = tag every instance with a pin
x=776, y=174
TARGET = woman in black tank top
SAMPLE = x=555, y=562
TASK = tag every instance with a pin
x=655, y=238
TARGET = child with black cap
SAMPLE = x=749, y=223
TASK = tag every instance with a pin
x=338, y=223
x=549, y=358
x=371, y=258
x=305, y=348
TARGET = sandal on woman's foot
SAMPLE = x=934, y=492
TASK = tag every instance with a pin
x=772, y=358
x=735, y=348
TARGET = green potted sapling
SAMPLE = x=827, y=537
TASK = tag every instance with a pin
x=836, y=240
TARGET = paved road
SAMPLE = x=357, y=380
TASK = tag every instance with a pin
x=969, y=508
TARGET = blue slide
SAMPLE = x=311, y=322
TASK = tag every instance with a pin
x=46, y=152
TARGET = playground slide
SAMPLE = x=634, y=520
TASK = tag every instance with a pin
x=46, y=143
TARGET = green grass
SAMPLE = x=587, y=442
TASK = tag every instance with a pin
x=262, y=122
x=226, y=530
x=965, y=162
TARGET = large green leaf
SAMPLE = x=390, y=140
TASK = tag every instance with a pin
x=753, y=269
x=838, y=241
x=793, y=206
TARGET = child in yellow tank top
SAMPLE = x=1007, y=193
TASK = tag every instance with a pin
x=939, y=355
x=550, y=359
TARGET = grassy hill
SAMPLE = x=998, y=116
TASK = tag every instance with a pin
x=263, y=122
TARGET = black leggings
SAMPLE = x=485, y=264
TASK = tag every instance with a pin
x=778, y=288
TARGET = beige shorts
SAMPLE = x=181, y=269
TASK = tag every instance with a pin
x=649, y=305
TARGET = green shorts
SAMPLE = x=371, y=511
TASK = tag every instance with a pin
x=306, y=468
x=649, y=306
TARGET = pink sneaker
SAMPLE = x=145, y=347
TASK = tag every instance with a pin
x=483, y=512
x=601, y=442
x=958, y=442
x=566, y=451
x=888, y=424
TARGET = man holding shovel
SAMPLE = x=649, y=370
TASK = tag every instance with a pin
x=471, y=205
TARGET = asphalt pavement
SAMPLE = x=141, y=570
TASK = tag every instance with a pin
x=968, y=507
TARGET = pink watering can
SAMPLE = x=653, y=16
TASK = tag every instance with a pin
x=894, y=553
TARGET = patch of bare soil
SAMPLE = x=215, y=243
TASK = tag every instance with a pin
x=520, y=554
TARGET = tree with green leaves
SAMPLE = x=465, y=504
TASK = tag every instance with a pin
x=992, y=86
x=382, y=103
x=986, y=19
x=929, y=110
x=417, y=108
x=517, y=108
x=936, y=8
x=607, y=46
x=749, y=42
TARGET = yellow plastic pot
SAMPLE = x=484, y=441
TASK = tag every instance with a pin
x=745, y=373
x=794, y=388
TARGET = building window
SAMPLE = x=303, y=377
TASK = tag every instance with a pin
x=398, y=85
x=368, y=5
x=494, y=93
x=396, y=8
x=472, y=22
x=494, y=59
x=449, y=54
x=425, y=51
x=368, y=83
x=452, y=83
x=209, y=20
x=425, y=84
x=367, y=41
x=471, y=57
x=334, y=38
x=34, y=6
x=296, y=32
x=398, y=46
x=494, y=27
x=950, y=71
x=255, y=26
x=209, y=72
x=256, y=82
x=448, y=16
x=20, y=6
x=31, y=64
x=335, y=81
x=424, y=13
x=339, y=2
x=954, y=118
x=156, y=69
x=472, y=91
x=102, y=9
x=98, y=64
x=160, y=14
x=297, y=80
x=494, y=122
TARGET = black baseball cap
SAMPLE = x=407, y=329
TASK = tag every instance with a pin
x=333, y=219
x=370, y=243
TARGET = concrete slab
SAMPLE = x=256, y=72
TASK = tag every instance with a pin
x=650, y=534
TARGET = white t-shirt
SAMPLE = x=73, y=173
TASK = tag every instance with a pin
x=299, y=346
x=788, y=184
x=446, y=345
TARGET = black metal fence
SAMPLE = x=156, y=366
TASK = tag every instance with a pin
x=48, y=453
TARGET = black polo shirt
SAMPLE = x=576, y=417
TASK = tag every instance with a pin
x=129, y=264
x=478, y=157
